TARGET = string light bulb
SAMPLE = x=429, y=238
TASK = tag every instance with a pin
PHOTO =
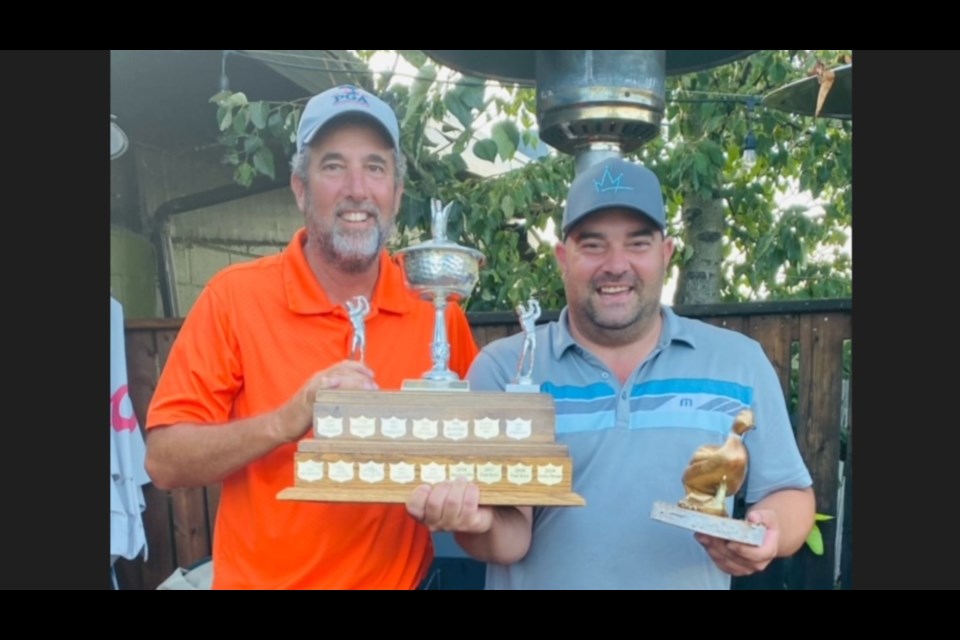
x=749, y=157
x=224, y=79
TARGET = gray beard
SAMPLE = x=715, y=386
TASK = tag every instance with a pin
x=351, y=252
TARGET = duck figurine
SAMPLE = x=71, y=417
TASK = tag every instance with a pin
x=716, y=472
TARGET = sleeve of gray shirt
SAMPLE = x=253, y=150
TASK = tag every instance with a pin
x=489, y=371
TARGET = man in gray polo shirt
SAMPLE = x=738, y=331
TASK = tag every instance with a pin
x=637, y=390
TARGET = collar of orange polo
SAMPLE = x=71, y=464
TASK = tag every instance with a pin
x=306, y=296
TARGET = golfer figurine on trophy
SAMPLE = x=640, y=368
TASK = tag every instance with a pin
x=523, y=381
x=357, y=308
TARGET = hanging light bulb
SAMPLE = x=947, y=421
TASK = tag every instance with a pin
x=749, y=157
x=224, y=78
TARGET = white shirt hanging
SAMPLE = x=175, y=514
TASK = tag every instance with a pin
x=127, y=454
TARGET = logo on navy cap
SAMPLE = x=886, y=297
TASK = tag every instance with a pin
x=608, y=183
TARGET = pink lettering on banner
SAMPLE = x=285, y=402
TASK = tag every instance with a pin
x=118, y=421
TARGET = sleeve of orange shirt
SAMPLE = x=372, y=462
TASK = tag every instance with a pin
x=203, y=374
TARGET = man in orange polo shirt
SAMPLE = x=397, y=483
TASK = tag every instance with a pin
x=236, y=393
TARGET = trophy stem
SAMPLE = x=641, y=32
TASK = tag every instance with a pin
x=440, y=271
x=440, y=349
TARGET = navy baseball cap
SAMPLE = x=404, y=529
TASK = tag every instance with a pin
x=614, y=183
x=324, y=107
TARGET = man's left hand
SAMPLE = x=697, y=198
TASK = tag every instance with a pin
x=738, y=559
x=450, y=506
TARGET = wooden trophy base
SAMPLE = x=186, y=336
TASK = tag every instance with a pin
x=377, y=447
x=716, y=526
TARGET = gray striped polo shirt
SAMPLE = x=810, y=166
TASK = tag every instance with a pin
x=630, y=444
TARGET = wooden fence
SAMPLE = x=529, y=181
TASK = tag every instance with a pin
x=810, y=335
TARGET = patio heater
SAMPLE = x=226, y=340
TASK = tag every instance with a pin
x=590, y=104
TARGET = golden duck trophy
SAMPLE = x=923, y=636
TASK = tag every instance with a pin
x=714, y=474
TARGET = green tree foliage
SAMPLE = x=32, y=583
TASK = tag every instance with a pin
x=784, y=252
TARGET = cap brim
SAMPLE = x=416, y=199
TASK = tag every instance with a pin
x=307, y=138
x=611, y=205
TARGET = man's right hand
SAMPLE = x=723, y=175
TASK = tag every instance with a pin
x=296, y=417
x=194, y=455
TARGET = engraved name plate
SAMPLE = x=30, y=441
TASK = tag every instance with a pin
x=486, y=428
x=519, y=429
x=519, y=473
x=393, y=427
x=363, y=427
x=549, y=474
x=402, y=472
x=372, y=471
x=425, y=429
x=341, y=471
x=456, y=429
x=433, y=472
x=489, y=473
x=310, y=470
x=461, y=470
x=329, y=427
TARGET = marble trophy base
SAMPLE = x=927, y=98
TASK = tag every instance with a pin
x=716, y=526
x=378, y=446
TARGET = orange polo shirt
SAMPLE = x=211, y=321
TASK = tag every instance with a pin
x=257, y=332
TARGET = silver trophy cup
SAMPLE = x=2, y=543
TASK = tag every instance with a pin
x=440, y=271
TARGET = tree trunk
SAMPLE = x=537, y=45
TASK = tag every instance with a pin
x=703, y=230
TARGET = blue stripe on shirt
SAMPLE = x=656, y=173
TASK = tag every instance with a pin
x=730, y=390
